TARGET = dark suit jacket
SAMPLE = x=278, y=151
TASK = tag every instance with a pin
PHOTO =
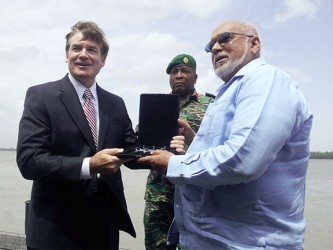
x=54, y=138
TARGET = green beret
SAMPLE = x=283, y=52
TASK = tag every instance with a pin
x=182, y=59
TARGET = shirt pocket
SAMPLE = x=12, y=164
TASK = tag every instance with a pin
x=221, y=120
x=192, y=198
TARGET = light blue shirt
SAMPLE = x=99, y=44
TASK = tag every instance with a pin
x=241, y=183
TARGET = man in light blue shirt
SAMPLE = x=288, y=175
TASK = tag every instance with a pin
x=241, y=184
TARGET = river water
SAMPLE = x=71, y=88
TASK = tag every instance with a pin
x=14, y=191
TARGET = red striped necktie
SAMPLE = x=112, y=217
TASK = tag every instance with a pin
x=90, y=113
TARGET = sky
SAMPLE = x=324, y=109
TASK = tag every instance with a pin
x=144, y=36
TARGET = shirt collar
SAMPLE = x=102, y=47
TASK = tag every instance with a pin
x=248, y=67
x=80, y=88
x=194, y=96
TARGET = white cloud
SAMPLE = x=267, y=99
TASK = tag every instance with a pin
x=202, y=8
x=297, y=8
x=292, y=9
x=271, y=53
x=208, y=82
x=19, y=54
x=298, y=74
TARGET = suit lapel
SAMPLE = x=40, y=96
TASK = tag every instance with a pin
x=70, y=99
x=104, y=106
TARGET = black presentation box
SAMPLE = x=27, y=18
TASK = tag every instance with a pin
x=158, y=123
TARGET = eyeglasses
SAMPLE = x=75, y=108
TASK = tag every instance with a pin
x=222, y=39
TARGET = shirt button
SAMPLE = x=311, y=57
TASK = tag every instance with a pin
x=177, y=206
x=261, y=248
x=256, y=207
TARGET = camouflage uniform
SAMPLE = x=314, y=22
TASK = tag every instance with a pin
x=159, y=197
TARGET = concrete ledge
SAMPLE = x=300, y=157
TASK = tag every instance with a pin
x=11, y=241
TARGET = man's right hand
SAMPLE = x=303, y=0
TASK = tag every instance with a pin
x=105, y=161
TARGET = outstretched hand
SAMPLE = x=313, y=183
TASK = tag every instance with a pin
x=158, y=160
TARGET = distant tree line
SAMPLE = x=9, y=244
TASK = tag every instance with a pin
x=7, y=149
x=321, y=155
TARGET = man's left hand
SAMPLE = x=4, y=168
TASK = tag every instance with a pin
x=178, y=143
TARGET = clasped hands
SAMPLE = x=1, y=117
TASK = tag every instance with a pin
x=106, y=161
x=159, y=159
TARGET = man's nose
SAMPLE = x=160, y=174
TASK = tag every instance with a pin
x=216, y=47
x=84, y=53
x=179, y=74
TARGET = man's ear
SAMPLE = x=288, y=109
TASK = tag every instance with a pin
x=103, y=61
x=255, y=45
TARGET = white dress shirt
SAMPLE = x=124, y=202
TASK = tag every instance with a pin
x=80, y=88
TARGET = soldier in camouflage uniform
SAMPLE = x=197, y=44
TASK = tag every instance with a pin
x=159, y=193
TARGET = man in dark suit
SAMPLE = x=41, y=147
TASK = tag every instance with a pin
x=77, y=199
